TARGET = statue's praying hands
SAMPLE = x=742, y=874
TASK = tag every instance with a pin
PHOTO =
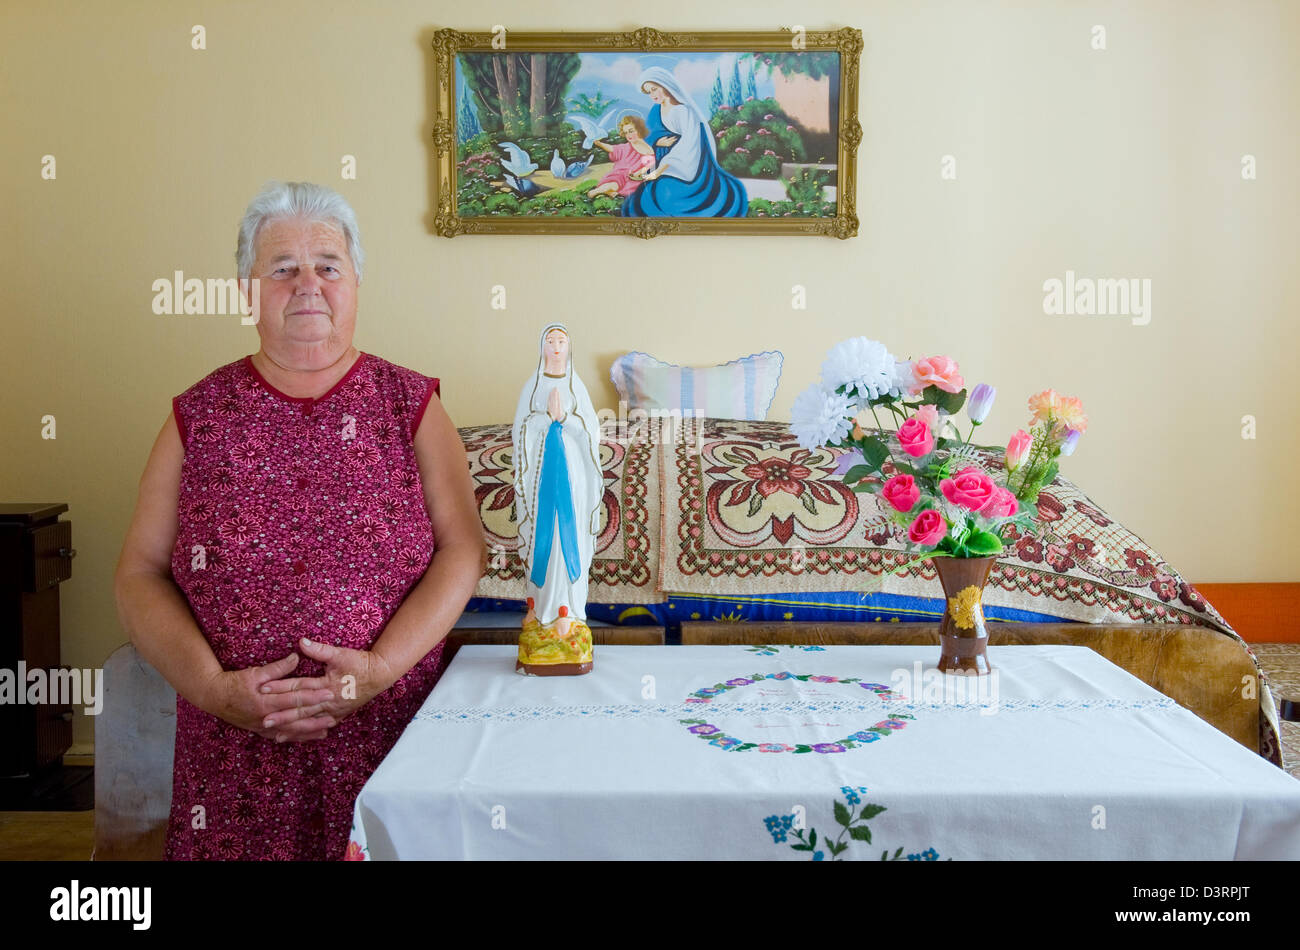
x=555, y=407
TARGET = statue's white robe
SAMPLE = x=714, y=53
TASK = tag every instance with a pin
x=581, y=438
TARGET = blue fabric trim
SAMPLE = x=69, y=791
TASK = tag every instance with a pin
x=844, y=607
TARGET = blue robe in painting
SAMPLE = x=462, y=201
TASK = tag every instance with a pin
x=712, y=193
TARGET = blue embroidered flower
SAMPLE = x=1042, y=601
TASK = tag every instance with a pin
x=724, y=742
x=850, y=795
x=819, y=856
x=815, y=649
x=929, y=854
x=777, y=826
x=865, y=736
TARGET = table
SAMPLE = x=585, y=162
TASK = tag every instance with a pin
x=828, y=753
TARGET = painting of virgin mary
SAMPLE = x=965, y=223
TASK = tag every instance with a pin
x=687, y=180
x=563, y=131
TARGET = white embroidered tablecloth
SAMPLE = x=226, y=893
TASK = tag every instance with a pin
x=844, y=752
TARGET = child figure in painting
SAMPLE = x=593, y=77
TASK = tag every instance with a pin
x=631, y=160
x=559, y=491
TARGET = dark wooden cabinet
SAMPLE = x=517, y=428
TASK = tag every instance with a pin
x=35, y=556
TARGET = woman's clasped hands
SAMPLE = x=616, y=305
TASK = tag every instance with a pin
x=265, y=700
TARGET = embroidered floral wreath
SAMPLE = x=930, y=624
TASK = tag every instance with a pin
x=715, y=736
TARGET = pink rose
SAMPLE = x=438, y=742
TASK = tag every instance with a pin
x=938, y=371
x=1003, y=504
x=901, y=492
x=969, y=488
x=914, y=435
x=928, y=528
x=1018, y=449
x=929, y=415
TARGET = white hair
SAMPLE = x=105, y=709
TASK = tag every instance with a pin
x=296, y=199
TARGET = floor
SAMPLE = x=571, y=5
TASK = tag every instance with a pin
x=70, y=836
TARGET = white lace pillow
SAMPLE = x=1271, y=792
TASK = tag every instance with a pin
x=741, y=389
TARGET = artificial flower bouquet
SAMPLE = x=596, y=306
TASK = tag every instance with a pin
x=929, y=478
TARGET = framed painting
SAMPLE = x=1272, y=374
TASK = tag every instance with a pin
x=646, y=132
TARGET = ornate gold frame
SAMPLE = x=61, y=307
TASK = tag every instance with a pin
x=447, y=43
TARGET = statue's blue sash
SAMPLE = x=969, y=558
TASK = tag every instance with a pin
x=555, y=502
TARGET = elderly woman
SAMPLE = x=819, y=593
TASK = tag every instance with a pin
x=305, y=536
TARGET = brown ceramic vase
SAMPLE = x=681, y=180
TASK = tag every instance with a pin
x=963, y=637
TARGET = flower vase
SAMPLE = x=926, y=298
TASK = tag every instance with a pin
x=963, y=637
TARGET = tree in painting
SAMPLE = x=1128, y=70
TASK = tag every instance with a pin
x=518, y=93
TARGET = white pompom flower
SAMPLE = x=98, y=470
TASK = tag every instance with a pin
x=864, y=367
x=819, y=418
x=904, y=378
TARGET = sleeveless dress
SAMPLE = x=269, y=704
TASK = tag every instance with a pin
x=297, y=517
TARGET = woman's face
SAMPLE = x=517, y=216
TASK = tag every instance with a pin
x=655, y=92
x=307, y=288
x=556, y=349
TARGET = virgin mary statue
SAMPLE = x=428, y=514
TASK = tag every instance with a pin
x=687, y=180
x=559, y=491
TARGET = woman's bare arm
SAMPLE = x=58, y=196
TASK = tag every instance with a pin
x=460, y=556
x=162, y=628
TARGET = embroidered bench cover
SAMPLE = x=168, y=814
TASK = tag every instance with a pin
x=743, y=509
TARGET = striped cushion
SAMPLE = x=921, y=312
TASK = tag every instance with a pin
x=741, y=389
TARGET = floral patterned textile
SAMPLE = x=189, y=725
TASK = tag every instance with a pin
x=749, y=509
x=297, y=517
x=623, y=569
x=746, y=510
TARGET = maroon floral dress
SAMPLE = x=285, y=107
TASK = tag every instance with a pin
x=297, y=517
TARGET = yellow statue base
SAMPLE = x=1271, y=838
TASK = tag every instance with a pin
x=543, y=652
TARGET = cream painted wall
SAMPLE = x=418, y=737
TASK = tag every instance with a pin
x=1115, y=163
